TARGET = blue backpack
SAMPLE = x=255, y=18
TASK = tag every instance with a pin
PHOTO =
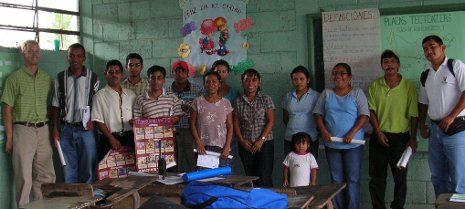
x=204, y=195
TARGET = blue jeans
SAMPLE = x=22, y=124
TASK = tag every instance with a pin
x=80, y=153
x=446, y=156
x=344, y=167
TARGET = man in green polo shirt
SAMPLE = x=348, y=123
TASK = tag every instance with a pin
x=393, y=113
x=25, y=99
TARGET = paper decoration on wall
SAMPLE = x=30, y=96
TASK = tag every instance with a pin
x=208, y=30
x=243, y=25
x=242, y=66
x=184, y=50
x=202, y=69
x=188, y=28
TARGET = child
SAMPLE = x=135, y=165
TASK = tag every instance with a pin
x=300, y=163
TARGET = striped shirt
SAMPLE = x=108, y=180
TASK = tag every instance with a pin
x=167, y=104
x=28, y=95
x=252, y=115
x=139, y=88
x=187, y=96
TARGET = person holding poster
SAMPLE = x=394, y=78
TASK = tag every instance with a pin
x=112, y=110
x=156, y=101
x=211, y=120
x=253, y=126
x=442, y=96
x=392, y=100
x=342, y=112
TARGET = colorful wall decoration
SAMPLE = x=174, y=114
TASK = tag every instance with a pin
x=212, y=30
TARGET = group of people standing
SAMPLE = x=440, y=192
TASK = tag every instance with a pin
x=218, y=118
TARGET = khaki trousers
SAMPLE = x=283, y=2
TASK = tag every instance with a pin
x=32, y=161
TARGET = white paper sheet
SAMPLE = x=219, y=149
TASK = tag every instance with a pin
x=85, y=116
x=208, y=161
x=402, y=163
x=214, y=153
x=354, y=141
x=171, y=180
x=60, y=154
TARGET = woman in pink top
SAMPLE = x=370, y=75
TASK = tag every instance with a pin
x=211, y=120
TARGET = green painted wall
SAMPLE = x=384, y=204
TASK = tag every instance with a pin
x=113, y=28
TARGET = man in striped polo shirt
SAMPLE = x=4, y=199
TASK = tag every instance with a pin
x=156, y=102
x=25, y=99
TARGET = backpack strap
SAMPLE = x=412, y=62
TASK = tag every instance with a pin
x=450, y=65
x=423, y=77
x=424, y=74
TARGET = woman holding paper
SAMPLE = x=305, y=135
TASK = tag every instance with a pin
x=211, y=120
x=341, y=112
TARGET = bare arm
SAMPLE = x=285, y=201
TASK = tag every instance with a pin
x=115, y=144
x=325, y=135
x=313, y=174
x=266, y=131
x=285, y=117
x=361, y=121
x=422, y=110
x=382, y=139
x=445, y=122
x=55, y=132
x=195, y=133
x=8, y=123
x=285, y=176
x=245, y=143
x=413, y=134
x=229, y=133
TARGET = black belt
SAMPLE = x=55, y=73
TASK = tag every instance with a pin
x=32, y=124
x=460, y=118
x=75, y=124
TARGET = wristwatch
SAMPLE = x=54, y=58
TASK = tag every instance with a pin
x=263, y=138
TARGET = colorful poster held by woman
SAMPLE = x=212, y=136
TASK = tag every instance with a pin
x=212, y=30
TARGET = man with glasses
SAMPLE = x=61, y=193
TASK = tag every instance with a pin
x=71, y=105
x=25, y=99
x=112, y=111
x=134, y=66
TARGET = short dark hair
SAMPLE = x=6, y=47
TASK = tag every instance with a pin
x=389, y=54
x=300, y=69
x=77, y=46
x=252, y=72
x=156, y=68
x=345, y=66
x=220, y=62
x=435, y=38
x=300, y=137
x=212, y=73
x=134, y=56
x=112, y=63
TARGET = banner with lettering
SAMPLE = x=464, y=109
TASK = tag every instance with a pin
x=212, y=30
x=353, y=37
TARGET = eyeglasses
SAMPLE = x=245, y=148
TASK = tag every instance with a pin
x=335, y=73
x=135, y=65
x=113, y=72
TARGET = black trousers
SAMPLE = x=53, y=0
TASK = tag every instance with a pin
x=379, y=159
x=259, y=164
x=103, y=146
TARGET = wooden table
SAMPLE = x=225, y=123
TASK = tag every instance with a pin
x=443, y=202
x=61, y=203
x=322, y=196
x=121, y=188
